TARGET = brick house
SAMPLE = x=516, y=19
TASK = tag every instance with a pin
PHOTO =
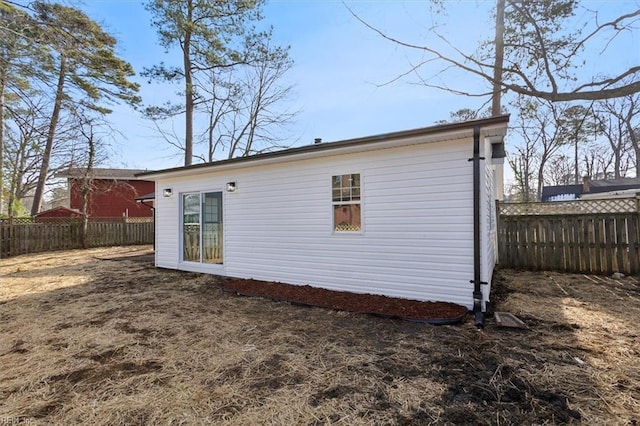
x=112, y=192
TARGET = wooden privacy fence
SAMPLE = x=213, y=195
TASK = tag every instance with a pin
x=21, y=236
x=596, y=238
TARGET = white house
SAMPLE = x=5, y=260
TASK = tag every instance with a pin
x=409, y=214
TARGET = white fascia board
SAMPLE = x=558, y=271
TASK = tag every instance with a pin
x=347, y=149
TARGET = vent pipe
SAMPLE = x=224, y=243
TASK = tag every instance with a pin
x=317, y=140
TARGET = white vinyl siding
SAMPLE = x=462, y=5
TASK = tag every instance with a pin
x=417, y=217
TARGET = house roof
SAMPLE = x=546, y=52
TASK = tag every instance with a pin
x=549, y=192
x=145, y=197
x=613, y=184
x=60, y=209
x=100, y=173
x=490, y=127
x=590, y=187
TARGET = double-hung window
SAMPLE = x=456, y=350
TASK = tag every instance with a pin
x=346, y=201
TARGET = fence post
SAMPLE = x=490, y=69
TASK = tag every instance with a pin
x=11, y=245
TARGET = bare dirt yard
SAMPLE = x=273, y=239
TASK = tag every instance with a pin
x=101, y=337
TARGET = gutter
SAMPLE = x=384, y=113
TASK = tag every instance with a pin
x=478, y=315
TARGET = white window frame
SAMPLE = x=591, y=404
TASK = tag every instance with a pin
x=359, y=202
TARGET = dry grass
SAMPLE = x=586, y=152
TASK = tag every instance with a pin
x=101, y=337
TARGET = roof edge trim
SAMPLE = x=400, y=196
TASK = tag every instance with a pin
x=330, y=146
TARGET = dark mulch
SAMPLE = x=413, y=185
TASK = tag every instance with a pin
x=433, y=312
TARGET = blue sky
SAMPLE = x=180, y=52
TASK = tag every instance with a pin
x=339, y=68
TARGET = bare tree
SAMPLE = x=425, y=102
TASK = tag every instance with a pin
x=611, y=118
x=23, y=154
x=26, y=129
x=222, y=103
x=261, y=107
x=87, y=131
x=619, y=120
x=523, y=164
x=598, y=162
x=92, y=136
x=539, y=53
x=560, y=171
x=576, y=124
x=537, y=125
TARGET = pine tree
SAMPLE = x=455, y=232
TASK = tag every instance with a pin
x=84, y=68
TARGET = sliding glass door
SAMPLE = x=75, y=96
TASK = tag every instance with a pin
x=212, y=227
x=202, y=227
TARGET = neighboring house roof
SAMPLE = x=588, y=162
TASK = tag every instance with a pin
x=146, y=197
x=606, y=185
x=60, y=212
x=490, y=127
x=562, y=192
x=623, y=193
x=100, y=173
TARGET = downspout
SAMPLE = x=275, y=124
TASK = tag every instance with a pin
x=153, y=211
x=478, y=315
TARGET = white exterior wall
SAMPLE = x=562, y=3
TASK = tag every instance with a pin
x=417, y=207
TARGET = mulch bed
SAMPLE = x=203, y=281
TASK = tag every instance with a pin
x=413, y=310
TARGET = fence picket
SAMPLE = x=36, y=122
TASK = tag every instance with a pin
x=594, y=236
x=621, y=246
x=633, y=245
x=588, y=243
x=586, y=240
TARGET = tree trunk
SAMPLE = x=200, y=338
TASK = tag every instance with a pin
x=85, y=214
x=87, y=183
x=635, y=142
x=2, y=85
x=541, y=178
x=496, y=104
x=17, y=175
x=188, y=77
x=46, y=156
x=86, y=188
x=12, y=191
x=576, y=163
x=617, y=157
x=210, y=134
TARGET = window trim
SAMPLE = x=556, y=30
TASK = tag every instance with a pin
x=201, y=193
x=351, y=202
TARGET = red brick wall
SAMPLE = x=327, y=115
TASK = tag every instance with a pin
x=113, y=198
